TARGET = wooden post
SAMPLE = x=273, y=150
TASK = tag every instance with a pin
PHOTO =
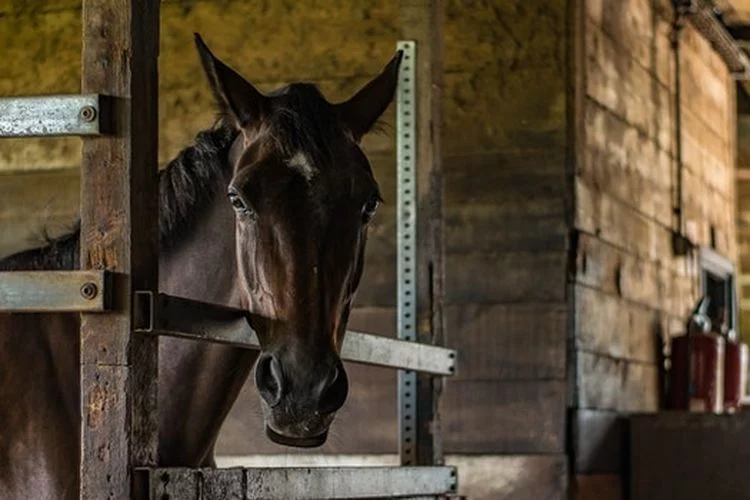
x=119, y=233
x=422, y=21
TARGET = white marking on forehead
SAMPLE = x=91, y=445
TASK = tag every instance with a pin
x=301, y=164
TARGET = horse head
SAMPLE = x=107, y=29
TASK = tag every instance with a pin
x=303, y=193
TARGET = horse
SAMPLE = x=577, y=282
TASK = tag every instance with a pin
x=267, y=210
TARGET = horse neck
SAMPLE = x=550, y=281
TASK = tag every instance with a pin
x=195, y=378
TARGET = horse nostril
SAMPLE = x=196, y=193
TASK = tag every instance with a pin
x=334, y=394
x=269, y=379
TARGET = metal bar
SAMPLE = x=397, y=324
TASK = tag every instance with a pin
x=172, y=316
x=51, y=116
x=413, y=356
x=184, y=318
x=305, y=482
x=54, y=291
x=406, y=238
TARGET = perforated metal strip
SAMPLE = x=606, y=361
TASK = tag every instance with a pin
x=406, y=242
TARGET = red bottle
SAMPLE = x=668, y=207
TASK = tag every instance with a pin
x=735, y=372
x=696, y=380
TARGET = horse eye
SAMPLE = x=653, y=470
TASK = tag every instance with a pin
x=368, y=211
x=236, y=201
x=238, y=204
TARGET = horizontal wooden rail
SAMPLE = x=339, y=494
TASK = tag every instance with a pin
x=53, y=115
x=179, y=317
x=300, y=482
x=54, y=291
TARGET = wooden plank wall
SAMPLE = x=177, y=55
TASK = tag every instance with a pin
x=743, y=202
x=504, y=147
x=629, y=290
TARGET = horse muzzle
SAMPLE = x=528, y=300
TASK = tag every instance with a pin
x=296, y=442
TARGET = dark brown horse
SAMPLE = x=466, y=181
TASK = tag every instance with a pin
x=268, y=211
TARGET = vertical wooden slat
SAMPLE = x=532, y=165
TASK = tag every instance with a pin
x=119, y=233
x=422, y=21
x=575, y=97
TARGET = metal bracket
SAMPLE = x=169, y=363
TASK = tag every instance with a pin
x=406, y=238
x=54, y=115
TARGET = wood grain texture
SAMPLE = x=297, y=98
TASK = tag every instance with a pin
x=119, y=233
x=506, y=277
x=636, y=280
x=512, y=476
x=614, y=222
x=180, y=483
x=635, y=26
x=492, y=416
x=487, y=229
x=607, y=383
x=620, y=83
x=620, y=160
x=607, y=324
x=223, y=483
x=517, y=172
x=508, y=341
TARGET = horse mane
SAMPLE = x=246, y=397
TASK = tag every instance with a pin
x=186, y=185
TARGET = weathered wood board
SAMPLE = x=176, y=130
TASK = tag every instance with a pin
x=119, y=233
x=491, y=416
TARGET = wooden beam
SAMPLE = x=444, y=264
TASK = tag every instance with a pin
x=119, y=234
x=303, y=482
x=422, y=21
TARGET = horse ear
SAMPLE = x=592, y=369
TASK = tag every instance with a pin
x=364, y=108
x=235, y=96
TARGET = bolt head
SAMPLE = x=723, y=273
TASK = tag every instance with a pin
x=88, y=113
x=89, y=291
